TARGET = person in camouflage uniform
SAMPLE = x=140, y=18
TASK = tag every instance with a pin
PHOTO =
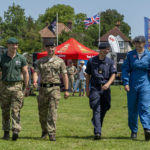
x=12, y=65
x=49, y=68
x=71, y=70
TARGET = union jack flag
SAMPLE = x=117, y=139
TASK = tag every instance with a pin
x=92, y=20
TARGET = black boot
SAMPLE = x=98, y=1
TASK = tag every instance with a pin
x=6, y=135
x=52, y=138
x=44, y=135
x=15, y=136
x=147, y=134
x=133, y=135
x=97, y=136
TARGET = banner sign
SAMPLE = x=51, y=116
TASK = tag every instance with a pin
x=147, y=32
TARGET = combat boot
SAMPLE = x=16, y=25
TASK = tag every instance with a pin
x=133, y=135
x=52, y=138
x=97, y=136
x=44, y=135
x=147, y=134
x=15, y=136
x=6, y=135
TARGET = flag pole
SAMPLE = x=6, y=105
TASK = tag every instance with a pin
x=99, y=28
x=57, y=28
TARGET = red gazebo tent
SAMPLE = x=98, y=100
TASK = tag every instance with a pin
x=71, y=49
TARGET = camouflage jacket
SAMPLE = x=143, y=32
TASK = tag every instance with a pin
x=71, y=70
x=50, y=69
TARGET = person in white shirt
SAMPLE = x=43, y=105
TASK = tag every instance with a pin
x=82, y=78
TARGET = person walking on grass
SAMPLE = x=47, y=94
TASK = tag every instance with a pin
x=100, y=73
x=49, y=68
x=136, y=81
x=12, y=66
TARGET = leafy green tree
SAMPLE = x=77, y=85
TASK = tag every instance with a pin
x=109, y=18
x=1, y=23
x=79, y=22
x=65, y=14
x=24, y=28
x=32, y=42
x=14, y=21
x=1, y=27
x=30, y=23
x=89, y=37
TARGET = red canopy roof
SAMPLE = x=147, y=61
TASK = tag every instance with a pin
x=72, y=49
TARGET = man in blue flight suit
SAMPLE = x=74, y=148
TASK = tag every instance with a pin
x=100, y=75
x=136, y=80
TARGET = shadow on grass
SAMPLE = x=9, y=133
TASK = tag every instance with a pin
x=79, y=137
x=122, y=138
x=75, y=96
x=31, y=138
x=103, y=138
x=76, y=137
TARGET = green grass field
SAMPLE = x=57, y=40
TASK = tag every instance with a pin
x=74, y=127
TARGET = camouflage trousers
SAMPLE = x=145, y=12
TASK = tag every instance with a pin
x=11, y=100
x=48, y=100
x=71, y=82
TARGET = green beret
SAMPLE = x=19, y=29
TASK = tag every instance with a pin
x=12, y=40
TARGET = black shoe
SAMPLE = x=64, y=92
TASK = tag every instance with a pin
x=6, y=135
x=133, y=135
x=15, y=136
x=52, y=138
x=44, y=135
x=97, y=136
x=147, y=134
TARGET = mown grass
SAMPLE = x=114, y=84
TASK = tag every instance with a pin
x=74, y=127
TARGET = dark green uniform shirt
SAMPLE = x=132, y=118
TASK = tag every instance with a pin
x=11, y=68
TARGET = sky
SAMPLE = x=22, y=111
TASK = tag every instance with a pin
x=134, y=11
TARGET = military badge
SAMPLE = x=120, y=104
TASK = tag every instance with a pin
x=18, y=62
x=100, y=71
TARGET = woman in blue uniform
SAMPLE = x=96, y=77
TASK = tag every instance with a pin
x=136, y=81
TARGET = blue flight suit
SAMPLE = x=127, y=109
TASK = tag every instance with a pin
x=135, y=73
x=100, y=71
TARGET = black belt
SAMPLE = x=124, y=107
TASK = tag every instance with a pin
x=48, y=85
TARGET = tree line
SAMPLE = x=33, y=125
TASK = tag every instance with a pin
x=26, y=29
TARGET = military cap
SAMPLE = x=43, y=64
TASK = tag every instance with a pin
x=82, y=62
x=12, y=40
x=104, y=45
x=50, y=44
x=139, y=39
